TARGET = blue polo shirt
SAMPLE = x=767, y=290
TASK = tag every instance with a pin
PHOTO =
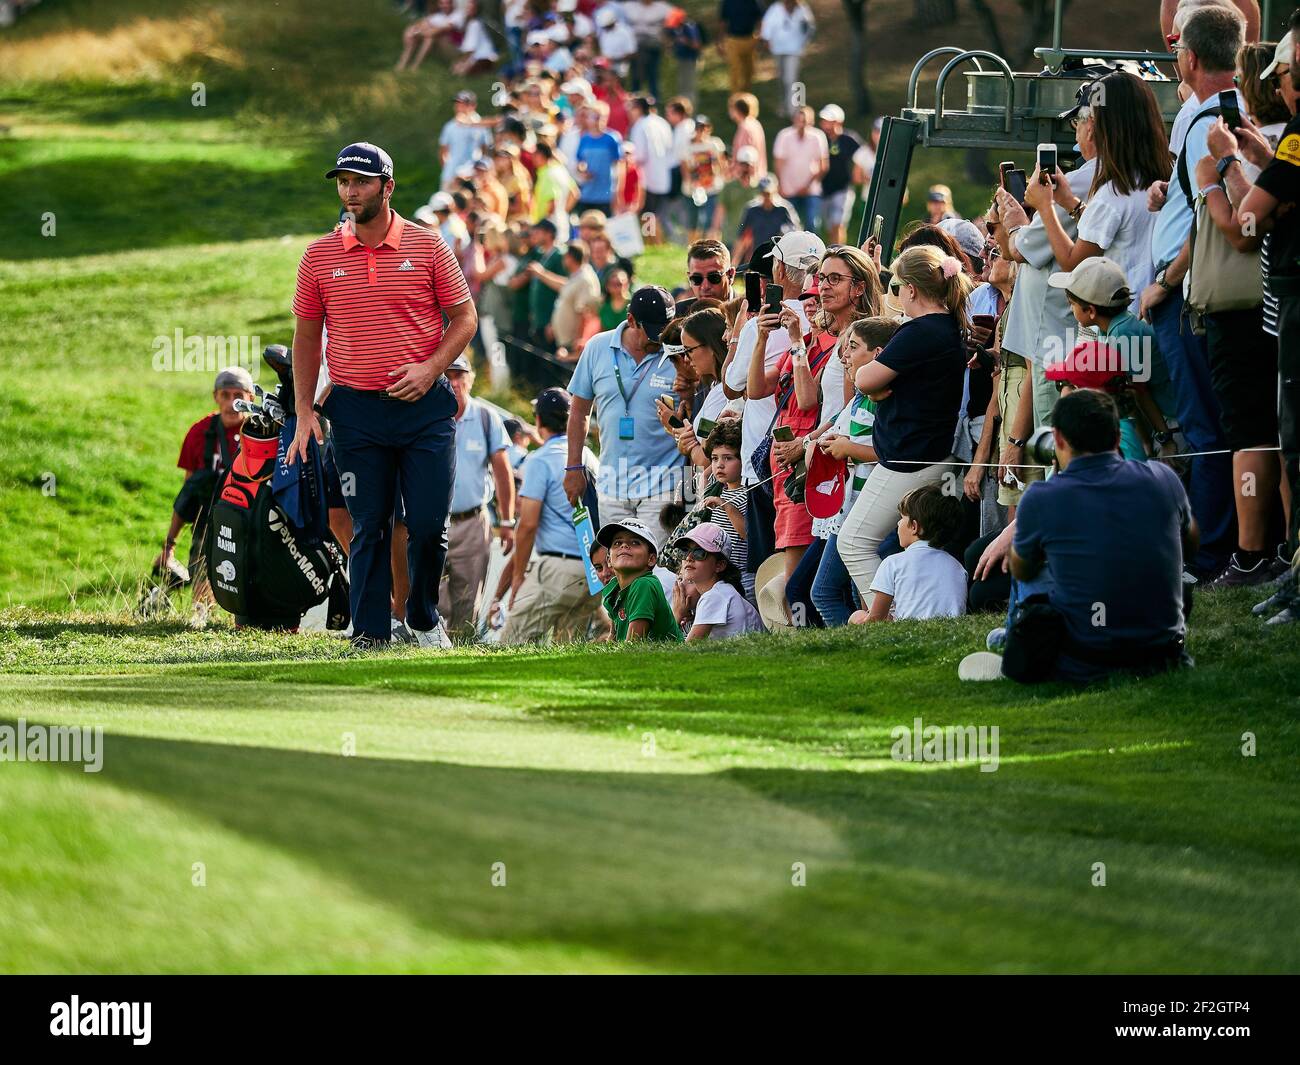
x=474, y=451
x=544, y=481
x=1174, y=221
x=1110, y=535
x=649, y=463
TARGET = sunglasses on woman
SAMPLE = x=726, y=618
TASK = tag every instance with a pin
x=698, y=554
x=714, y=277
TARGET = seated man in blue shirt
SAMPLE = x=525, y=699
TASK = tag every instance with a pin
x=1104, y=539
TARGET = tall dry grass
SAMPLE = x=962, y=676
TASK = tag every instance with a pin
x=145, y=48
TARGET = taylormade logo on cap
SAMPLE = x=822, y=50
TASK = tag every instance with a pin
x=363, y=158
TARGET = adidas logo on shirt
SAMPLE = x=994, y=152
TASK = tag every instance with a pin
x=406, y=265
x=340, y=273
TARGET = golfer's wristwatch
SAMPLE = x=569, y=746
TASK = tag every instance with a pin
x=1017, y=443
x=507, y=523
x=1160, y=280
x=1226, y=162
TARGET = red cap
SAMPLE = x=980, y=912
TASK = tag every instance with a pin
x=824, y=492
x=1092, y=364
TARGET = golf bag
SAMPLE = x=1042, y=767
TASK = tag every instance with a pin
x=270, y=553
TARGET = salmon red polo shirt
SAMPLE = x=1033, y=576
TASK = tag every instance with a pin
x=382, y=306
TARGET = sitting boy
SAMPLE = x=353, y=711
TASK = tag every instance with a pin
x=635, y=599
x=923, y=580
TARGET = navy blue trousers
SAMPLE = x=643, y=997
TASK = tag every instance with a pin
x=380, y=442
x=1210, y=488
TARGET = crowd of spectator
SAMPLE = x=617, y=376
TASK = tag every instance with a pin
x=1071, y=409
x=580, y=128
x=1025, y=412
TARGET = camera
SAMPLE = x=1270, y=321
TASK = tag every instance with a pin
x=1040, y=449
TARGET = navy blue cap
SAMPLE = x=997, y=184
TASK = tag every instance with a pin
x=553, y=402
x=363, y=158
x=652, y=306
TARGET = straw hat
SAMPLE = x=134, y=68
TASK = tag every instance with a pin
x=769, y=590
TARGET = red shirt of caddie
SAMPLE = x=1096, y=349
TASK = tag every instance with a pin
x=193, y=449
x=382, y=306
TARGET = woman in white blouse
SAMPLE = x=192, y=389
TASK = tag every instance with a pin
x=1122, y=119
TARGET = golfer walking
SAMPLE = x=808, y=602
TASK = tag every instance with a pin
x=381, y=287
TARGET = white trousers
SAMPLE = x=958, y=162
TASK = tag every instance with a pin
x=874, y=516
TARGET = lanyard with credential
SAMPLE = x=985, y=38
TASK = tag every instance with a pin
x=626, y=424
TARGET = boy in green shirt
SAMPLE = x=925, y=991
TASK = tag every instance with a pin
x=634, y=599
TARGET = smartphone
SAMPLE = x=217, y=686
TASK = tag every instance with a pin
x=1017, y=183
x=1004, y=168
x=1231, y=112
x=877, y=227
x=753, y=291
x=1046, y=162
x=783, y=433
x=773, y=295
x=706, y=426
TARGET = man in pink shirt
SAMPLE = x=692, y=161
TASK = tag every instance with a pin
x=800, y=157
x=742, y=109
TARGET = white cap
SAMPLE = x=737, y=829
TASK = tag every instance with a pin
x=798, y=250
x=441, y=201
x=831, y=113
x=425, y=216
x=576, y=87
x=536, y=37
x=605, y=17
x=565, y=6
x=747, y=153
x=637, y=528
x=1096, y=280
x=1281, y=58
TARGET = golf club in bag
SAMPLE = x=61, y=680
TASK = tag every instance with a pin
x=270, y=553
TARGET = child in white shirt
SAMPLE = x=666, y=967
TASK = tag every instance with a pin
x=922, y=580
x=707, y=599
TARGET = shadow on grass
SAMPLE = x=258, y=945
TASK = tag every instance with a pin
x=905, y=870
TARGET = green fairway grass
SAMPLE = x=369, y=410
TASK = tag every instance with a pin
x=649, y=808
x=275, y=803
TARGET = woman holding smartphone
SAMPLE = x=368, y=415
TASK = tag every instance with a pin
x=1132, y=155
x=704, y=346
x=848, y=290
x=916, y=382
